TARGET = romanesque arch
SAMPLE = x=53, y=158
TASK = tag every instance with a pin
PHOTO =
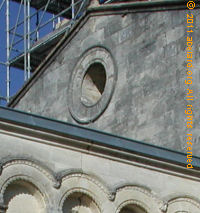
x=80, y=203
x=183, y=205
x=137, y=199
x=22, y=196
x=132, y=207
x=85, y=194
x=24, y=180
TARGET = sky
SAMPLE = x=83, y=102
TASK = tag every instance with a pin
x=16, y=75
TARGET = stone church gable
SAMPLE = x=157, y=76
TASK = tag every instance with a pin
x=99, y=127
x=137, y=52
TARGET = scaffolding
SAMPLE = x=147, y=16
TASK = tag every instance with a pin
x=37, y=28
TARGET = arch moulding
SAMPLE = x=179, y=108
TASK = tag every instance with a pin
x=26, y=171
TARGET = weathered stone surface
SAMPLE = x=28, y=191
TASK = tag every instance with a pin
x=149, y=52
x=45, y=172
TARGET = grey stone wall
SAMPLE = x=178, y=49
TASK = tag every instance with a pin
x=43, y=167
x=148, y=103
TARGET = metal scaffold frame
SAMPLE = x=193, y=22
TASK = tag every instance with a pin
x=24, y=45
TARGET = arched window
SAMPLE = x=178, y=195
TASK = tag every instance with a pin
x=79, y=203
x=132, y=209
x=23, y=203
x=22, y=197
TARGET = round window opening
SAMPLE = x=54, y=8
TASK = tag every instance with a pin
x=93, y=84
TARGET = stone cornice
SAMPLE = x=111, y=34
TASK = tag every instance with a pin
x=55, y=133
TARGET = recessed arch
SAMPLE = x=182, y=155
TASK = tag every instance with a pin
x=79, y=183
x=183, y=205
x=21, y=186
x=136, y=199
x=80, y=202
x=19, y=190
x=25, y=177
x=133, y=206
x=24, y=203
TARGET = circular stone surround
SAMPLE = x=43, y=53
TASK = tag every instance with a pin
x=80, y=111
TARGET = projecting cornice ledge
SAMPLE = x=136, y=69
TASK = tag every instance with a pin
x=142, y=6
x=95, y=142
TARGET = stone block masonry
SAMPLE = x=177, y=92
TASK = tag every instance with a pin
x=148, y=99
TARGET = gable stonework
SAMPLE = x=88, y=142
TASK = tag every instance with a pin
x=148, y=101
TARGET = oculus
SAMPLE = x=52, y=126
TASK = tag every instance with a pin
x=92, y=85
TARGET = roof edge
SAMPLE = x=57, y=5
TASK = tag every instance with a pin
x=139, y=4
x=101, y=139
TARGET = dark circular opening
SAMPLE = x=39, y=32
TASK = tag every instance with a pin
x=93, y=84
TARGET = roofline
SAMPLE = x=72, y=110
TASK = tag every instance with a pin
x=72, y=131
x=107, y=9
x=146, y=5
